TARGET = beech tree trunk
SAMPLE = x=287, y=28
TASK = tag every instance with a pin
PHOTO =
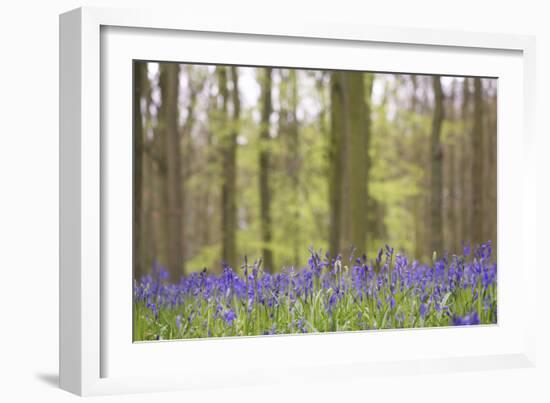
x=228, y=140
x=336, y=148
x=466, y=177
x=264, y=164
x=294, y=166
x=477, y=165
x=348, y=153
x=140, y=71
x=169, y=83
x=358, y=161
x=437, y=169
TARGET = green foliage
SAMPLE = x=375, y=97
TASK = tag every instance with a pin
x=399, y=161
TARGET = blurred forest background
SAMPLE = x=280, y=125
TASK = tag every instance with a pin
x=265, y=162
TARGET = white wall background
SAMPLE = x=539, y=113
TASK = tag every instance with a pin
x=29, y=197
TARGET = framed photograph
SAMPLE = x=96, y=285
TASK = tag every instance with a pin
x=290, y=201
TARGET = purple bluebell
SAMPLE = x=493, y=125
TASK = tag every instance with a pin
x=399, y=284
x=470, y=319
x=423, y=310
x=229, y=316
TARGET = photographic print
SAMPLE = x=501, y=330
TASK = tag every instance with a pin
x=276, y=201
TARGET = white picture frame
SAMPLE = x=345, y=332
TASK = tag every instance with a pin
x=96, y=356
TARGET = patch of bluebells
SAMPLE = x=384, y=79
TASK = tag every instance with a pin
x=229, y=317
x=470, y=319
x=327, y=294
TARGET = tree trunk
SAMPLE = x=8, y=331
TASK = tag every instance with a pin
x=228, y=141
x=450, y=182
x=169, y=82
x=457, y=173
x=335, y=151
x=417, y=205
x=189, y=151
x=369, y=83
x=451, y=240
x=436, y=177
x=357, y=158
x=348, y=152
x=148, y=236
x=294, y=151
x=466, y=159
x=477, y=165
x=492, y=161
x=264, y=164
x=140, y=71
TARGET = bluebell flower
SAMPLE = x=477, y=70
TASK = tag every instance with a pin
x=470, y=319
x=153, y=308
x=467, y=249
x=423, y=310
x=229, y=316
x=360, y=285
x=379, y=257
x=331, y=302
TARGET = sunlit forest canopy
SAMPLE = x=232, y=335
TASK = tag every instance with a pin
x=233, y=161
